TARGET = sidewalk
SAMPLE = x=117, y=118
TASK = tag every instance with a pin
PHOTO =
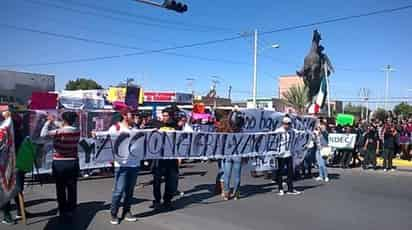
x=397, y=162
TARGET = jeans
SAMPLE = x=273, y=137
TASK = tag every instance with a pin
x=323, y=172
x=124, y=182
x=220, y=171
x=6, y=209
x=282, y=162
x=309, y=161
x=65, y=173
x=387, y=158
x=232, y=165
x=170, y=171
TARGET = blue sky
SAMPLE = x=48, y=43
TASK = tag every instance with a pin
x=358, y=48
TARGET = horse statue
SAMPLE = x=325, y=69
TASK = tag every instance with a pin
x=316, y=68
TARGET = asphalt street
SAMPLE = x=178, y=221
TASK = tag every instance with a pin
x=353, y=199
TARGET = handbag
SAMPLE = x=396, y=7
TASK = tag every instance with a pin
x=326, y=151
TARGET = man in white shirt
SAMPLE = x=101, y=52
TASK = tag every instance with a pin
x=125, y=173
x=285, y=158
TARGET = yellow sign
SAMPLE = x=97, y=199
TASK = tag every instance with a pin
x=119, y=94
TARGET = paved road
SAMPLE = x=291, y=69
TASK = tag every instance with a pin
x=354, y=199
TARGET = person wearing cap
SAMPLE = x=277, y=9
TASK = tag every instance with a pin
x=125, y=171
x=285, y=158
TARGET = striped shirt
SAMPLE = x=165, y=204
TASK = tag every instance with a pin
x=65, y=141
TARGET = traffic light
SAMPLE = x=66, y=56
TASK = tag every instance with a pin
x=176, y=6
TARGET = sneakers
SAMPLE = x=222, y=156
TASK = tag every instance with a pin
x=155, y=205
x=8, y=220
x=392, y=170
x=294, y=192
x=129, y=217
x=114, y=220
x=281, y=193
x=385, y=170
x=318, y=178
x=327, y=179
x=236, y=196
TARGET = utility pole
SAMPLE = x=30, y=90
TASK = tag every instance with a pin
x=229, y=92
x=255, y=47
x=190, y=82
x=215, y=81
x=364, y=95
x=388, y=69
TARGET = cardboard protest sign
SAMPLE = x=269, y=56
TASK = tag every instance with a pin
x=344, y=119
x=342, y=140
x=7, y=162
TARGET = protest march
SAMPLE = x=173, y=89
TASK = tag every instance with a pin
x=180, y=115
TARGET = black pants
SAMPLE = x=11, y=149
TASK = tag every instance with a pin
x=370, y=158
x=20, y=187
x=65, y=173
x=346, y=157
x=169, y=170
x=282, y=162
x=387, y=158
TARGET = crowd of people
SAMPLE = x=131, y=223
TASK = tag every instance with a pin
x=390, y=138
x=374, y=138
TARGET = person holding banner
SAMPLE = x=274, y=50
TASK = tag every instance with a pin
x=125, y=170
x=167, y=168
x=65, y=165
x=285, y=158
x=322, y=152
x=232, y=165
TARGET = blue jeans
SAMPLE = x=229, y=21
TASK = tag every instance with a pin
x=323, y=172
x=124, y=182
x=235, y=166
x=220, y=171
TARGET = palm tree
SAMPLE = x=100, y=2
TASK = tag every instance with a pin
x=296, y=97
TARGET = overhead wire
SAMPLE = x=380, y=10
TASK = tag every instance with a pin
x=216, y=41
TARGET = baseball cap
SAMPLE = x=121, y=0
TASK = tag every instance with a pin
x=286, y=120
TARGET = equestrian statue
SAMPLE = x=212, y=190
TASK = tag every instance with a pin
x=316, y=68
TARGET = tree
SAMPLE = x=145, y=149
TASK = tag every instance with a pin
x=82, y=84
x=403, y=109
x=355, y=110
x=380, y=114
x=297, y=97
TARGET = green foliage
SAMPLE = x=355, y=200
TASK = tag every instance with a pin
x=82, y=84
x=297, y=97
x=355, y=110
x=380, y=114
x=403, y=109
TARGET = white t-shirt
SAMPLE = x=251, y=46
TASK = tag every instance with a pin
x=114, y=132
x=284, y=150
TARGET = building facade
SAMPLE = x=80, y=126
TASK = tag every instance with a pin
x=17, y=87
x=288, y=81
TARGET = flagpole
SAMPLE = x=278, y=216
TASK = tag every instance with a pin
x=325, y=67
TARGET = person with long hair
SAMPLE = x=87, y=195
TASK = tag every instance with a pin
x=231, y=124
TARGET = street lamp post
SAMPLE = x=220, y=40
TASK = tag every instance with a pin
x=388, y=69
x=255, y=54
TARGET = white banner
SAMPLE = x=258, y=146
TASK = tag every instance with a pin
x=154, y=144
x=342, y=140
